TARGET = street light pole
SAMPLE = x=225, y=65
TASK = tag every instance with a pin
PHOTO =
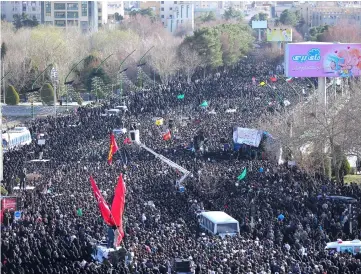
x=67, y=83
x=121, y=71
x=140, y=64
x=4, y=85
x=32, y=88
x=102, y=62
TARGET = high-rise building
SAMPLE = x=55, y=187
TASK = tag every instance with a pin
x=30, y=8
x=85, y=15
x=177, y=15
x=204, y=7
x=330, y=13
x=154, y=5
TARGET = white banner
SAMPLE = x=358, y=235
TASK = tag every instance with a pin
x=247, y=136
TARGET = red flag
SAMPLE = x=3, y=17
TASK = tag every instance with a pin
x=118, y=209
x=103, y=206
x=113, y=148
x=273, y=79
x=127, y=141
x=167, y=136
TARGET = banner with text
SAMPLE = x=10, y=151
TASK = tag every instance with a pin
x=322, y=60
x=247, y=136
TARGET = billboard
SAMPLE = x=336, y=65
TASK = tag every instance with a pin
x=279, y=35
x=259, y=24
x=322, y=60
x=247, y=136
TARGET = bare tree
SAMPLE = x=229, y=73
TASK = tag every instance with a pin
x=164, y=57
x=313, y=130
x=345, y=32
x=189, y=61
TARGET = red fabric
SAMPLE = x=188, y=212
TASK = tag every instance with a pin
x=167, y=136
x=113, y=148
x=273, y=79
x=127, y=141
x=118, y=208
x=103, y=206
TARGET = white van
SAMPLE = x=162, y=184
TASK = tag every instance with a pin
x=353, y=247
x=111, y=112
x=219, y=223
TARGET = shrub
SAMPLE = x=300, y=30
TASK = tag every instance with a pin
x=346, y=167
x=12, y=96
x=4, y=192
x=47, y=94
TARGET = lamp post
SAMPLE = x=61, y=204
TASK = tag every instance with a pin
x=140, y=64
x=102, y=62
x=32, y=88
x=55, y=80
x=121, y=71
x=70, y=82
x=4, y=84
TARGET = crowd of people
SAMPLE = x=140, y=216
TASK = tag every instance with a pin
x=60, y=219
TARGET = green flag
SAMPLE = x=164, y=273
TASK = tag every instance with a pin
x=204, y=104
x=180, y=96
x=79, y=212
x=243, y=174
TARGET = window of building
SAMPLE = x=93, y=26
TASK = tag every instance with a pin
x=59, y=14
x=24, y=8
x=182, y=11
x=170, y=8
x=72, y=6
x=99, y=10
x=170, y=16
x=84, y=8
x=162, y=2
x=73, y=14
x=47, y=8
x=162, y=16
x=175, y=2
x=162, y=9
x=33, y=8
x=60, y=23
x=187, y=10
x=99, y=18
x=59, y=6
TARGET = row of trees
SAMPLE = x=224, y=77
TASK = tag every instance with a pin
x=318, y=136
x=30, y=50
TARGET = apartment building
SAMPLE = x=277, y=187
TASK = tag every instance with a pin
x=176, y=15
x=154, y=5
x=11, y=8
x=330, y=13
x=114, y=7
x=203, y=7
x=85, y=15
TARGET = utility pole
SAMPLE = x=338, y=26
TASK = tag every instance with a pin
x=140, y=64
x=70, y=82
x=120, y=71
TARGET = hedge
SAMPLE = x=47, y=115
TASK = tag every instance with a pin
x=47, y=94
x=12, y=96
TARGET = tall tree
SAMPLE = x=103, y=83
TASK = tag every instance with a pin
x=232, y=14
x=289, y=18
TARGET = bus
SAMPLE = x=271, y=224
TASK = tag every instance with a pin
x=15, y=138
x=352, y=247
x=219, y=223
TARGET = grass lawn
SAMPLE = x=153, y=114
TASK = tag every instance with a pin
x=352, y=178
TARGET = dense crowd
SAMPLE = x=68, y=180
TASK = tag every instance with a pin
x=160, y=224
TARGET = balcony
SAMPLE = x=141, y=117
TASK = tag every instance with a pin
x=72, y=6
x=59, y=14
x=73, y=15
x=59, y=6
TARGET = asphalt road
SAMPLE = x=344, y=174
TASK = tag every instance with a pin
x=25, y=111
